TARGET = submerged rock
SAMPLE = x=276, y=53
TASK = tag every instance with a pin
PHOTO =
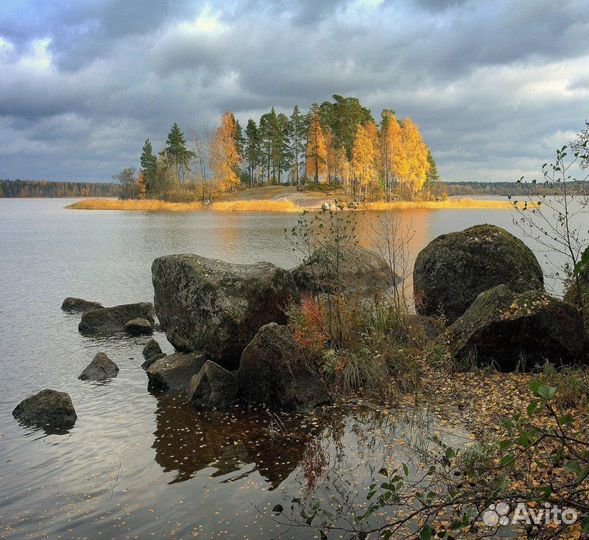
x=354, y=270
x=75, y=305
x=100, y=369
x=112, y=320
x=139, y=327
x=213, y=387
x=174, y=371
x=151, y=348
x=452, y=270
x=274, y=371
x=509, y=329
x=49, y=409
x=216, y=307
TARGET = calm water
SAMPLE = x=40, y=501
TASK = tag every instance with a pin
x=137, y=465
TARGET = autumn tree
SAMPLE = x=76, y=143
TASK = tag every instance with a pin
x=225, y=158
x=203, y=165
x=127, y=180
x=364, y=163
x=316, y=164
x=392, y=151
x=416, y=154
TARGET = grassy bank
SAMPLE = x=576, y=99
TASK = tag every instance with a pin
x=282, y=204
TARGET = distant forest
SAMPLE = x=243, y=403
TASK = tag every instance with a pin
x=507, y=188
x=45, y=188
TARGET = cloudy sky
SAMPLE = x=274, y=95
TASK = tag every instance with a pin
x=496, y=86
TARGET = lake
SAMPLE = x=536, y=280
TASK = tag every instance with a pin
x=138, y=465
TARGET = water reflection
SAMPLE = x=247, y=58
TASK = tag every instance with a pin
x=236, y=441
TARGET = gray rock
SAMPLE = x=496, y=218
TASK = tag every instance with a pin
x=138, y=327
x=112, y=320
x=274, y=371
x=216, y=307
x=49, y=409
x=213, y=387
x=354, y=270
x=151, y=360
x=100, y=369
x=452, y=270
x=152, y=348
x=506, y=328
x=79, y=305
x=173, y=372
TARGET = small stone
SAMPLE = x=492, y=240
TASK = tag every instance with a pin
x=138, y=327
x=100, y=369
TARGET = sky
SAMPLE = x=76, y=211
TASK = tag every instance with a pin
x=495, y=86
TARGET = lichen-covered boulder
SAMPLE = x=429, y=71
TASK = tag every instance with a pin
x=174, y=371
x=111, y=320
x=453, y=269
x=274, y=371
x=79, y=305
x=213, y=387
x=510, y=330
x=138, y=327
x=216, y=307
x=351, y=269
x=49, y=409
x=100, y=369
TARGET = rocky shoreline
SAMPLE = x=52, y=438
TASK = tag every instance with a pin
x=229, y=323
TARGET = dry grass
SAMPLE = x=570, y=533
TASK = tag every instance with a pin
x=256, y=205
x=283, y=204
x=145, y=205
x=151, y=205
x=438, y=205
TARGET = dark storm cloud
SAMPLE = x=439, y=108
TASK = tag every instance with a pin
x=494, y=85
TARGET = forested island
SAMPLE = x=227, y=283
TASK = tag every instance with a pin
x=336, y=143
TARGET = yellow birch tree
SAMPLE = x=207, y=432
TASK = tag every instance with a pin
x=364, y=163
x=225, y=158
x=416, y=156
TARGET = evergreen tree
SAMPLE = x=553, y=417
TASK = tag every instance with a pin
x=297, y=137
x=316, y=163
x=252, y=150
x=148, y=166
x=432, y=169
x=178, y=154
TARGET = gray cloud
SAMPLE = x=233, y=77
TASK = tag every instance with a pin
x=493, y=85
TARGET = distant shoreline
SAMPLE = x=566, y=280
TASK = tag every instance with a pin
x=283, y=205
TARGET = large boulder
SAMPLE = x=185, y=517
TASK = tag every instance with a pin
x=213, y=387
x=79, y=305
x=174, y=372
x=111, y=320
x=510, y=330
x=49, y=409
x=452, y=270
x=351, y=269
x=216, y=307
x=100, y=369
x=138, y=327
x=274, y=371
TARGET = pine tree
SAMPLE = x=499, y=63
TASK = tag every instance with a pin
x=252, y=150
x=432, y=168
x=316, y=164
x=297, y=130
x=177, y=153
x=148, y=166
